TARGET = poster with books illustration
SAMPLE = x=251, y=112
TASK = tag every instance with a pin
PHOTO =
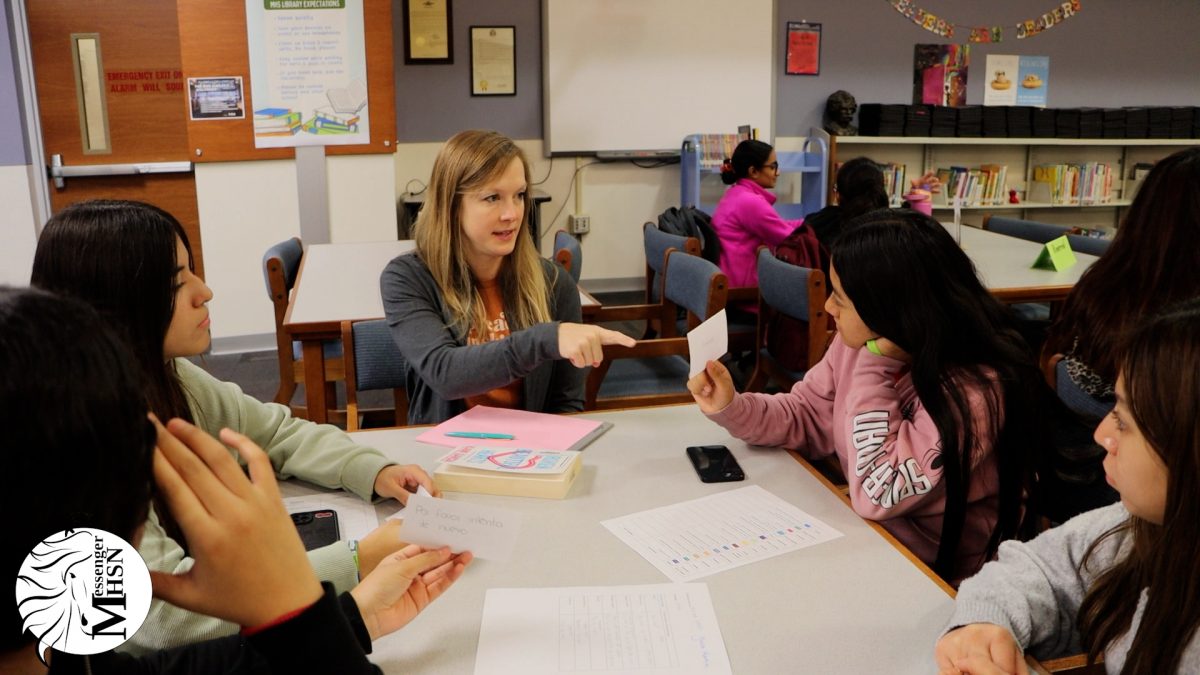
x=308, y=72
x=940, y=74
x=1033, y=78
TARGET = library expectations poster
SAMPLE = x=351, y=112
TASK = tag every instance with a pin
x=308, y=72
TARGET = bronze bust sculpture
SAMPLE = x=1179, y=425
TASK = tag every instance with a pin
x=839, y=114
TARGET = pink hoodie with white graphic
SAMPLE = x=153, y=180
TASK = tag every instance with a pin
x=864, y=408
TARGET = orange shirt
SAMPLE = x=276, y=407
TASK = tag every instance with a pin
x=512, y=394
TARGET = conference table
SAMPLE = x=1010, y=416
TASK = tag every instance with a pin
x=857, y=604
x=1004, y=265
x=340, y=282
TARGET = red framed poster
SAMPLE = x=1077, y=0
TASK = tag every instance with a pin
x=803, y=48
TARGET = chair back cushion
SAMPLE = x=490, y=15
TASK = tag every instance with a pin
x=689, y=278
x=378, y=363
x=289, y=252
x=1041, y=233
x=564, y=241
x=783, y=286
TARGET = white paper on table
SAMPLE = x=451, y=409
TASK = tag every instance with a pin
x=698, y=538
x=708, y=342
x=489, y=532
x=658, y=629
x=356, y=518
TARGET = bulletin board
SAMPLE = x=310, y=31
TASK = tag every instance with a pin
x=212, y=43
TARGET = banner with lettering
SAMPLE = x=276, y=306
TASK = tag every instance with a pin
x=948, y=29
x=308, y=72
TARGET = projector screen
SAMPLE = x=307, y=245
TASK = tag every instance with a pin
x=620, y=75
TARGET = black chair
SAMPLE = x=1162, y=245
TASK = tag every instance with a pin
x=373, y=362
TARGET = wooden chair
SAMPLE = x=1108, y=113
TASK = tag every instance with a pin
x=655, y=371
x=373, y=362
x=796, y=292
x=568, y=253
x=280, y=265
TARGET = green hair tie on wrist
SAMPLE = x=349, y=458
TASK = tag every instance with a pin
x=873, y=347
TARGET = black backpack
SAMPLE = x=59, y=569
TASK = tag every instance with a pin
x=690, y=221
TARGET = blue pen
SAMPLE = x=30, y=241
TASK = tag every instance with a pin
x=479, y=434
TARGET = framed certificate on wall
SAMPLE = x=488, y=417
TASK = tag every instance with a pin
x=493, y=60
x=427, y=32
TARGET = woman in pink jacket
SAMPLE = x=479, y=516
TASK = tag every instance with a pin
x=928, y=398
x=745, y=218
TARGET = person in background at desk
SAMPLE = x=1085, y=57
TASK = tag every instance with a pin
x=745, y=218
x=132, y=262
x=77, y=413
x=479, y=316
x=928, y=399
x=1118, y=581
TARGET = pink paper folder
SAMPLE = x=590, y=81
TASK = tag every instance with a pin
x=530, y=429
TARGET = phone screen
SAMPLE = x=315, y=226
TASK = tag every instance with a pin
x=317, y=528
x=715, y=464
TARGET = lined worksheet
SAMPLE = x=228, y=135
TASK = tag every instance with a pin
x=694, y=539
x=659, y=629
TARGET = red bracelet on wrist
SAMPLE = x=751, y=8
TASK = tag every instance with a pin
x=247, y=631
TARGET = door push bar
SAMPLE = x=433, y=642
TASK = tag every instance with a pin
x=60, y=173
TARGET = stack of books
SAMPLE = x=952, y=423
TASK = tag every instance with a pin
x=1083, y=184
x=327, y=122
x=944, y=122
x=995, y=122
x=985, y=186
x=1020, y=121
x=1181, y=122
x=1066, y=123
x=1091, y=123
x=879, y=119
x=1160, y=123
x=1114, y=123
x=1043, y=122
x=918, y=120
x=1137, y=122
x=276, y=122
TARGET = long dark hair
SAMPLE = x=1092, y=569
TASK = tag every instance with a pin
x=1161, y=366
x=912, y=284
x=72, y=413
x=119, y=257
x=860, y=187
x=749, y=154
x=1150, y=264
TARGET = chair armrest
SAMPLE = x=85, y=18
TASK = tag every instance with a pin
x=743, y=293
x=646, y=349
x=626, y=313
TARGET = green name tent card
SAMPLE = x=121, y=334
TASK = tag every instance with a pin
x=1056, y=255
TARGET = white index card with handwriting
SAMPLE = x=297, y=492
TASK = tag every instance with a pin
x=489, y=532
x=708, y=342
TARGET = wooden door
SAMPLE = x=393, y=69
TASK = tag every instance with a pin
x=120, y=63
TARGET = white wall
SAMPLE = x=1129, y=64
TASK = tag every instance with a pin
x=17, y=226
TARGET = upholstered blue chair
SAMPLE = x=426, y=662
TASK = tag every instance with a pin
x=655, y=371
x=373, y=362
x=798, y=293
x=1041, y=233
x=281, y=262
x=568, y=253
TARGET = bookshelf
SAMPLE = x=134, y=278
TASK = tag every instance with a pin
x=1021, y=156
x=803, y=173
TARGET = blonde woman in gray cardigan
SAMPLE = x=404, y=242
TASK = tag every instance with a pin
x=132, y=262
x=1121, y=581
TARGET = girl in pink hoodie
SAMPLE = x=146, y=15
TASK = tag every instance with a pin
x=927, y=399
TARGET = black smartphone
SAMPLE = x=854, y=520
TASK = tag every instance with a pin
x=317, y=528
x=715, y=463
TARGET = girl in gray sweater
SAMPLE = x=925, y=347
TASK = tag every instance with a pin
x=1119, y=581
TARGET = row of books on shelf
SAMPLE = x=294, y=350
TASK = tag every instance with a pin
x=287, y=122
x=984, y=186
x=714, y=148
x=1084, y=183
